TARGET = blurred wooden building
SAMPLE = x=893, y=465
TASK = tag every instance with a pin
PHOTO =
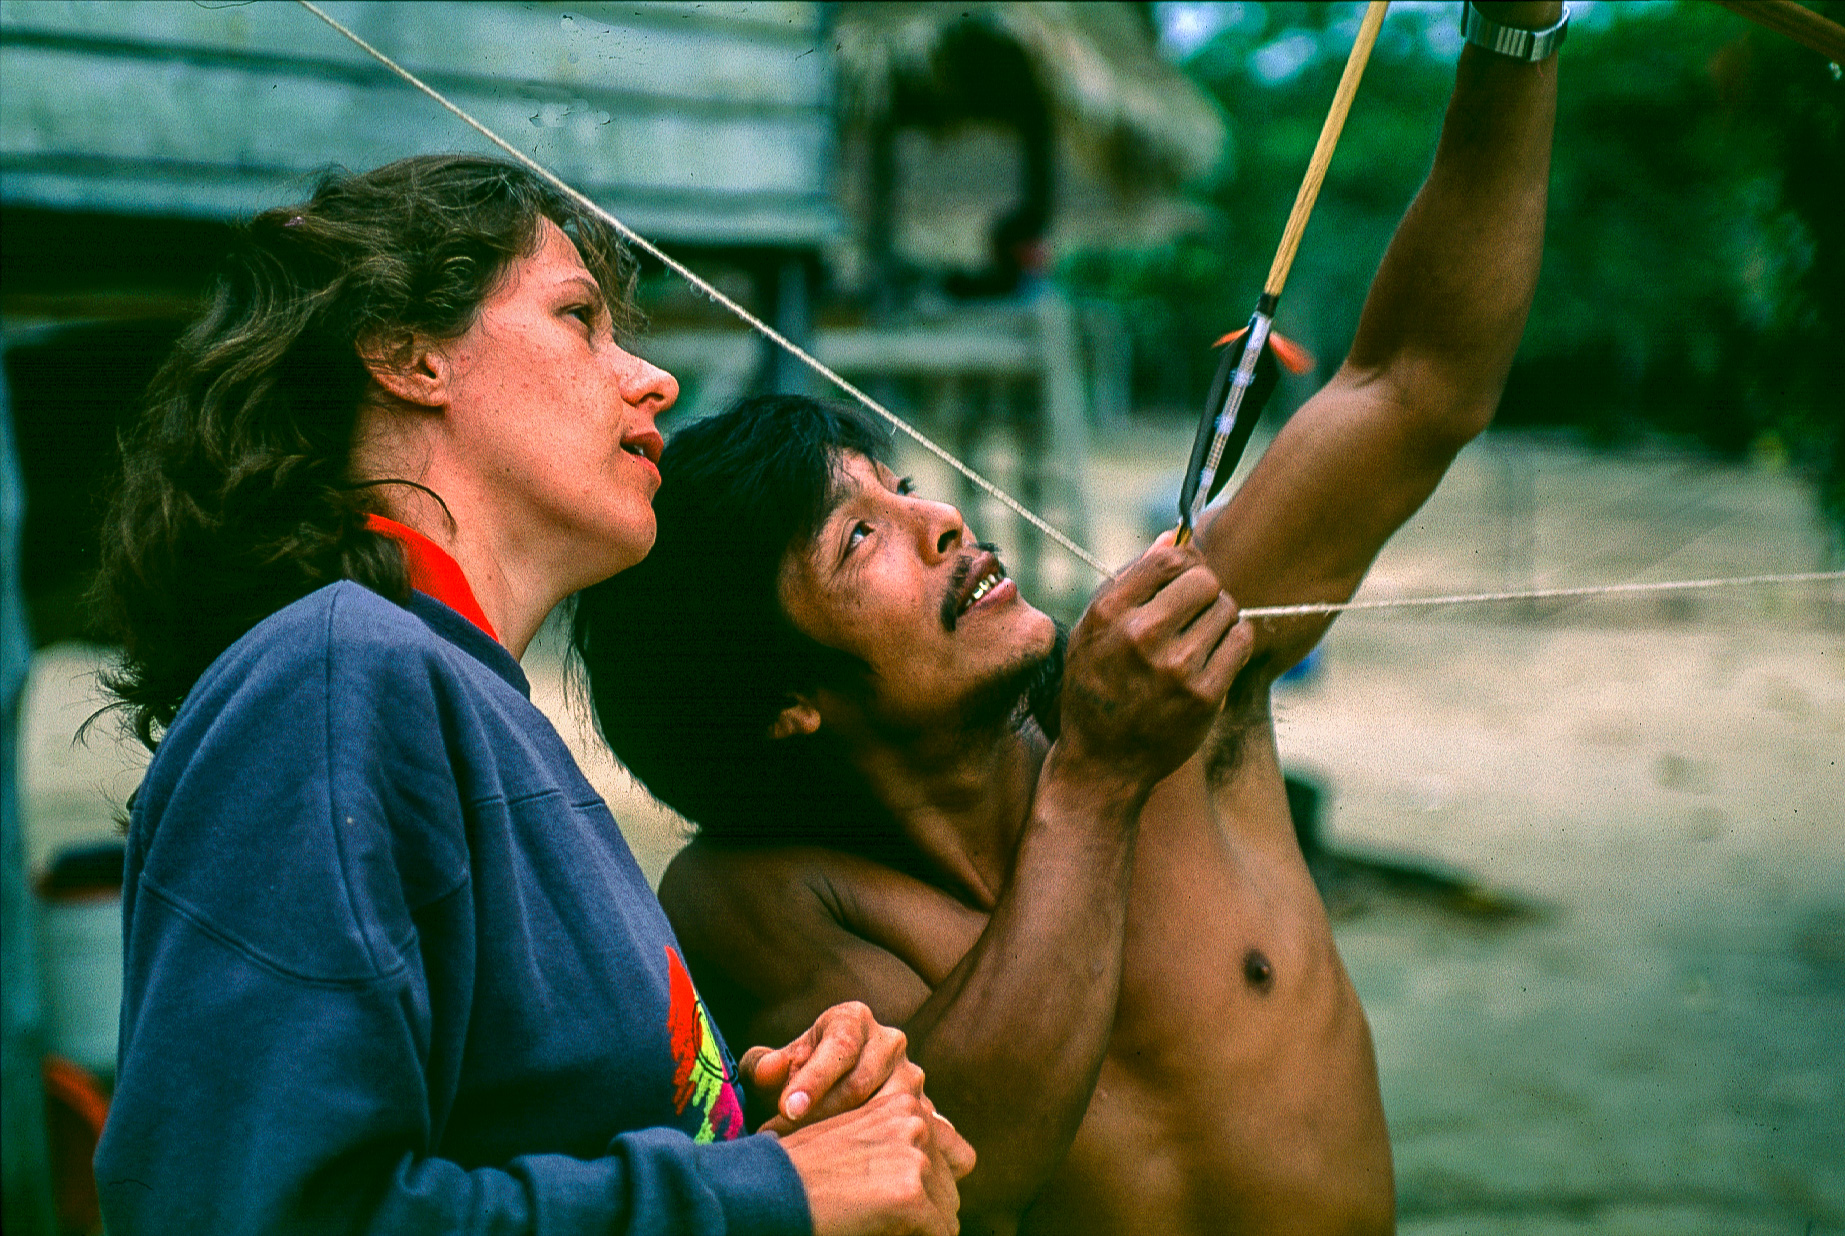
x=132, y=132
x=975, y=142
x=956, y=115
x=844, y=169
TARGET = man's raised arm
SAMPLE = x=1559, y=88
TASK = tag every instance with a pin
x=1434, y=345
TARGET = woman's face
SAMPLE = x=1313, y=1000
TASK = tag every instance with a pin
x=554, y=423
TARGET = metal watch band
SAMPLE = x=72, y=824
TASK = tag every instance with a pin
x=1528, y=46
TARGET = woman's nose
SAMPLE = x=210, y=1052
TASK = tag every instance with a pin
x=648, y=387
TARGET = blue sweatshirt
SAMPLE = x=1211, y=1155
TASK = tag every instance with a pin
x=392, y=968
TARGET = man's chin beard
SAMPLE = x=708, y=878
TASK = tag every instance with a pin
x=1027, y=692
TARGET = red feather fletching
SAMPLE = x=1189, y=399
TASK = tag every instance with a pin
x=1293, y=357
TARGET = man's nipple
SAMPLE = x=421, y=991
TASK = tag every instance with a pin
x=1258, y=970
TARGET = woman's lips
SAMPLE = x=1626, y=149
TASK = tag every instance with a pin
x=652, y=468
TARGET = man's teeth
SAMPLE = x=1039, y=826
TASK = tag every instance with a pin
x=987, y=583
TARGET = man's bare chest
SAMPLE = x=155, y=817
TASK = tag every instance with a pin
x=1224, y=926
x=1227, y=953
x=1239, y=1067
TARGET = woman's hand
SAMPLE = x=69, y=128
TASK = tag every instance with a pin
x=871, y=1150
x=887, y=1168
x=844, y=1060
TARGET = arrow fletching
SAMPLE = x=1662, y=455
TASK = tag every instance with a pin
x=1231, y=410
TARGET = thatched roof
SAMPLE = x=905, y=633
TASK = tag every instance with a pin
x=1107, y=85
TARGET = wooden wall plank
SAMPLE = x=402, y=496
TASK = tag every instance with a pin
x=714, y=127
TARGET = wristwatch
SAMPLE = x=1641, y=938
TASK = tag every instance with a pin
x=1514, y=42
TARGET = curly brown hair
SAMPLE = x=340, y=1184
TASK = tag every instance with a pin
x=234, y=496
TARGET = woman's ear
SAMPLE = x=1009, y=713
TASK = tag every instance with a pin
x=416, y=373
x=800, y=717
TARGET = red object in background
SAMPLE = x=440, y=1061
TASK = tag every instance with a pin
x=75, y=1108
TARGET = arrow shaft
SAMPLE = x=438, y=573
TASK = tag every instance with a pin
x=1323, y=149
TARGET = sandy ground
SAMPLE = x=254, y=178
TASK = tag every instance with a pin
x=1661, y=1049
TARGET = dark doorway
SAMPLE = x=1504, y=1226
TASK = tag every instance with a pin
x=91, y=304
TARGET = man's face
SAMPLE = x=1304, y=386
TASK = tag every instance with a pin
x=554, y=421
x=897, y=581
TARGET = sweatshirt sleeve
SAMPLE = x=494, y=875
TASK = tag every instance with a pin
x=286, y=1062
x=252, y=1101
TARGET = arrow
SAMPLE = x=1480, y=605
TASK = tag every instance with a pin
x=1247, y=373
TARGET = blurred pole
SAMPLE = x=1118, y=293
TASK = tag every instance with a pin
x=1059, y=459
x=1111, y=365
x=1518, y=490
x=881, y=235
x=27, y=1168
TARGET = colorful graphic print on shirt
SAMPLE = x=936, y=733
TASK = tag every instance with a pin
x=700, y=1074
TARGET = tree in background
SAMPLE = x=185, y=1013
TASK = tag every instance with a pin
x=1694, y=279
x=1794, y=103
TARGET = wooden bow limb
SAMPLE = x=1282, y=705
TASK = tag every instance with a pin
x=1247, y=373
x=1797, y=22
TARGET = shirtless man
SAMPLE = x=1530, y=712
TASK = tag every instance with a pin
x=1102, y=942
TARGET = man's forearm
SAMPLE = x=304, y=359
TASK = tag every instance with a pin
x=1450, y=300
x=1013, y=1038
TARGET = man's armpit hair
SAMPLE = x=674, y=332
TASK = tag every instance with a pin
x=1245, y=708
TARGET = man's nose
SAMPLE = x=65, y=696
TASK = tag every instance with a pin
x=943, y=530
x=648, y=387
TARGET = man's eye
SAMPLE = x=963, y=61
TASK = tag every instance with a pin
x=906, y=484
x=859, y=532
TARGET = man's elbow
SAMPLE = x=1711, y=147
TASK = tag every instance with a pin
x=1433, y=401
x=1462, y=419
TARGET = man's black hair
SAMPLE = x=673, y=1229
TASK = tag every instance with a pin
x=690, y=657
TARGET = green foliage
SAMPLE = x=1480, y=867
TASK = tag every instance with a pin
x=1694, y=277
x=1798, y=105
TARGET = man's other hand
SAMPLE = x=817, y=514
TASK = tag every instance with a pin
x=885, y=1169
x=843, y=1061
x=1151, y=662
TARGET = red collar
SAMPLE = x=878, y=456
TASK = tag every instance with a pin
x=433, y=571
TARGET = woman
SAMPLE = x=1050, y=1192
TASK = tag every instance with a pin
x=390, y=966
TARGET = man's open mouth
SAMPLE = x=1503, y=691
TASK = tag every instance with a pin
x=974, y=577
x=985, y=584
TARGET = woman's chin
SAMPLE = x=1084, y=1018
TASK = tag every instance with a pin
x=595, y=554
x=633, y=544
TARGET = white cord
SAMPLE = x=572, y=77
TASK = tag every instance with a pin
x=775, y=336
x=1472, y=598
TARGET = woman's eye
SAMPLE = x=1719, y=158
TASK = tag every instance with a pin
x=585, y=314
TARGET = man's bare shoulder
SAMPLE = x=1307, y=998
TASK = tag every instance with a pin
x=786, y=917
x=709, y=876
x=713, y=887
